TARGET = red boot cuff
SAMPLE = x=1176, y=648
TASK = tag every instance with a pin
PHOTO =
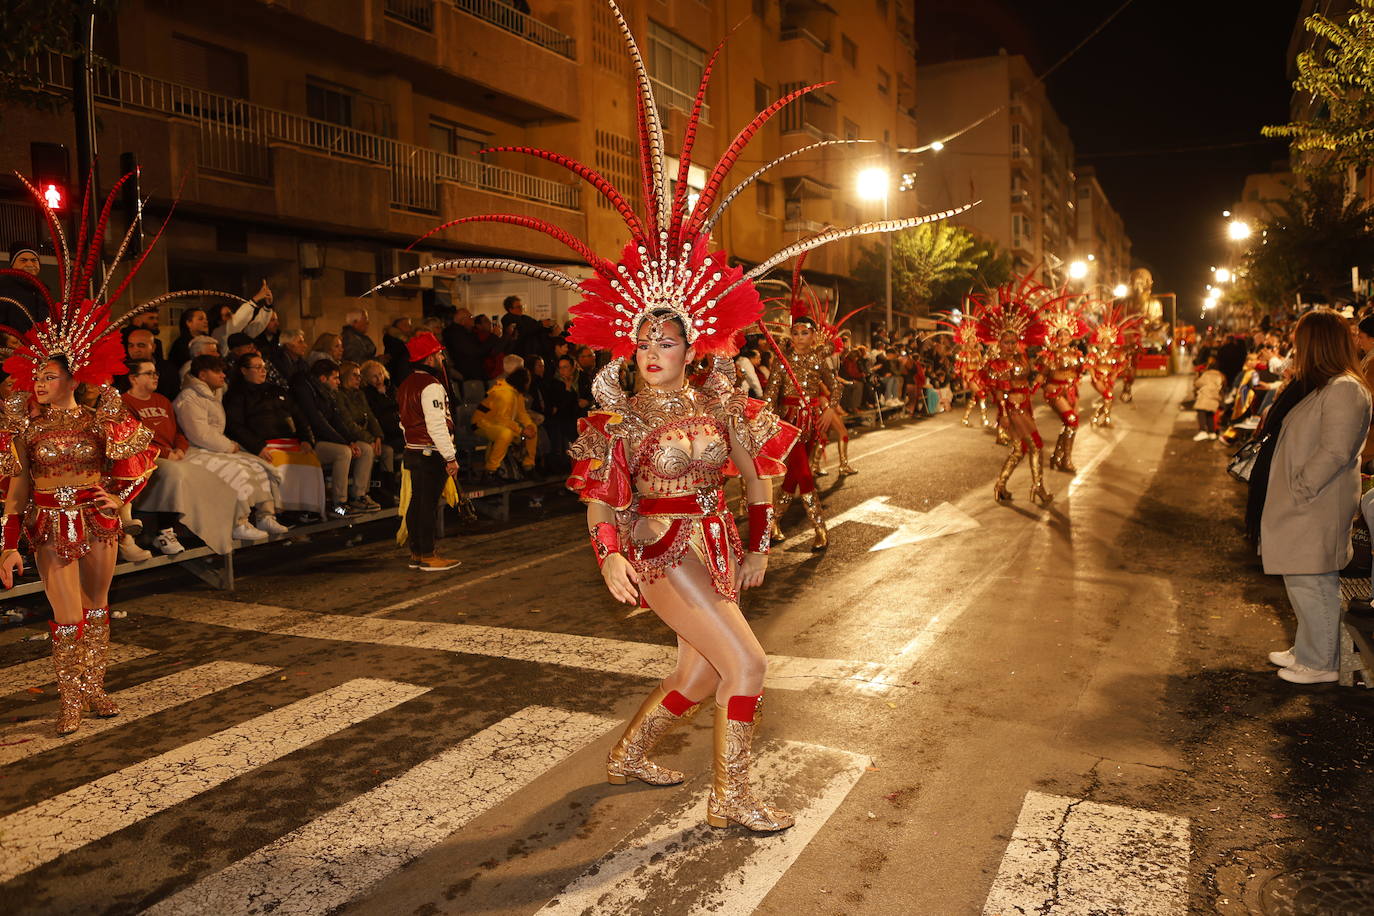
x=741, y=709
x=676, y=703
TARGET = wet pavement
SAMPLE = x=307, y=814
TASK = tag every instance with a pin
x=972, y=708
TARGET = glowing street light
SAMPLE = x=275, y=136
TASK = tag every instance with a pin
x=1120, y=290
x=937, y=146
x=1078, y=270
x=1238, y=230
x=1223, y=275
x=873, y=183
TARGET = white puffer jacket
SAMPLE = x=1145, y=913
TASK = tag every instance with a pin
x=200, y=414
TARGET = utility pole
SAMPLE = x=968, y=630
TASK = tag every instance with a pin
x=83, y=106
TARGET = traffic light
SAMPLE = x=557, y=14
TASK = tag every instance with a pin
x=52, y=175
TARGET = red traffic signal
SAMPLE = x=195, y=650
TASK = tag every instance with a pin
x=53, y=197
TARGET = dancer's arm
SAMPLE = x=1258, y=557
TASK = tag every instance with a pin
x=619, y=576
x=11, y=562
x=757, y=491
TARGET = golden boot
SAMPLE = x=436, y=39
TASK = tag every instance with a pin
x=97, y=652
x=845, y=467
x=999, y=489
x=775, y=534
x=629, y=759
x=983, y=412
x=1066, y=438
x=818, y=456
x=69, y=662
x=968, y=412
x=731, y=799
x=813, y=512
x=1003, y=437
x=1037, y=469
x=1058, y=452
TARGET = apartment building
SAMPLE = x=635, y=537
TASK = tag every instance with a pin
x=1011, y=151
x=1100, y=240
x=314, y=140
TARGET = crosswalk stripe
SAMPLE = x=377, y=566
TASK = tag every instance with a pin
x=590, y=652
x=29, y=738
x=39, y=671
x=731, y=870
x=1073, y=857
x=43, y=832
x=337, y=856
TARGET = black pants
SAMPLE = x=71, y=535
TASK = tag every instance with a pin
x=1206, y=420
x=427, y=476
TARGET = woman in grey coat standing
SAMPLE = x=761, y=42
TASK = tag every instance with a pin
x=1313, y=493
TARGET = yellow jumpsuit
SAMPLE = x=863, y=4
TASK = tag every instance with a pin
x=500, y=419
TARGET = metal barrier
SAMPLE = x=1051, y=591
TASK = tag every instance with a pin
x=503, y=14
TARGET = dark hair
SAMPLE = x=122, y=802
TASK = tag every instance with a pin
x=1367, y=326
x=519, y=380
x=242, y=360
x=508, y=303
x=659, y=315
x=804, y=319
x=184, y=321
x=239, y=339
x=133, y=365
x=206, y=361
x=749, y=352
x=396, y=322
x=61, y=361
x=130, y=331
x=531, y=360
x=1323, y=349
x=324, y=368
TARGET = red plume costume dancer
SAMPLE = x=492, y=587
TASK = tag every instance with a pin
x=1061, y=364
x=1107, y=355
x=651, y=467
x=1009, y=324
x=969, y=358
x=73, y=467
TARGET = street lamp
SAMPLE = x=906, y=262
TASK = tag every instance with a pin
x=875, y=183
x=1223, y=275
x=1238, y=230
x=1120, y=290
x=1078, y=270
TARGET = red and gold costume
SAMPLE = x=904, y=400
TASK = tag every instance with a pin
x=654, y=463
x=969, y=359
x=800, y=397
x=1061, y=365
x=67, y=464
x=1107, y=357
x=1009, y=323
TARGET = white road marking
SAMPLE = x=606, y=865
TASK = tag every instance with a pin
x=459, y=586
x=1070, y=857
x=41, y=833
x=40, y=672
x=571, y=651
x=337, y=856
x=906, y=440
x=29, y=738
x=911, y=526
x=731, y=870
x=1093, y=463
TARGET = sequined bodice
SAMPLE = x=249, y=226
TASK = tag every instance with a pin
x=1063, y=364
x=1008, y=373
x=813, y=372
x=66, y=446
x=681, y=448
x=1104, y=357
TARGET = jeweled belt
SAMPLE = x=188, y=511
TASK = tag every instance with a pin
x=65, y=497
x=704, y=502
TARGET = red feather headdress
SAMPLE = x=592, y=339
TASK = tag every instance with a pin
x=806, y=304
x=78, y=327
x=1011, y=308
x=668, y=263
x=1113, y=325
x=1064, y=312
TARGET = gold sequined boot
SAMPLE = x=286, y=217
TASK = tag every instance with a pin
x=983, y=412
x=731, y=799
x=845, y=467
x=1037, y=468
x=1066, y=438
x=1058, y=451
x=629, y=759
x=818, y=456
x=775, y=534
x=813, y=512
x=68, y=660
x=1003, y=437
x=968, y=412
x=97, y=652
x=999, y=489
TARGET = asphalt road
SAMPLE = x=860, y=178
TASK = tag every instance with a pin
x=972, y=708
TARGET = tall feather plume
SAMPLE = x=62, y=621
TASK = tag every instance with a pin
x=586, y=173
x=651, y=135
x=159, y=301
x=97, y=240
x=711, y=221
x=60, y=250
x=593, y=259
x=506, y=264
x=689, y=137
x=135, y=225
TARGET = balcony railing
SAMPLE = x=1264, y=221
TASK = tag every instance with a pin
x=417, y=13
x=502, y=14
x=795, y=32
x=670, y=97
x=235, y=139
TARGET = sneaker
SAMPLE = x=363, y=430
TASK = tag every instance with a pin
x=246, y=532
x=1202, y=436
x=130, y=552
x=414, y=561
x=366, y=503
x=270, y=524
x=1211, y=435
x=338, y=511
x=436, y=563
x=166, y=541
x=1301, y=674
x=1284, y=659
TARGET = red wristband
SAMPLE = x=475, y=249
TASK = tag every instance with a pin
x=605, y=541
x=9, y=532
x=760, y=521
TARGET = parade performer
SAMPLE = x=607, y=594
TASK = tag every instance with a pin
x=1061, y=364
x=73, y=466
x=1107, y=354
x=651, y=467
x=969, y=358
x=1009, y=323
x=829, y=342
x=801, y=403
x=431, y=460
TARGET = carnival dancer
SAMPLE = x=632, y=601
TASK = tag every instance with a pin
x=650, y=467
x=1107, y=358
x=969, y=358
x=801, y=402
x=74, y=467
x=1061, y=364
x=430, y=459
x=1010, y=324
x=815, y=371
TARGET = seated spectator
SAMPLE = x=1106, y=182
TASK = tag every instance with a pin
x=240, y=344
x=184, y=487
x=200, y=414
x=467, y=348
x=560, y=394
x=314, y=392
x=194, y=322
x=394, y=348
x=327, y=346
x=359, y=421
x=381, y=398
x=199, y=346
x=289, y=360
x=250, y=317
x=357, y=346
x=501, y=418
x=139, y=343
x=265, y=421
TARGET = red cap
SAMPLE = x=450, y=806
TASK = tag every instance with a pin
x=422, y=345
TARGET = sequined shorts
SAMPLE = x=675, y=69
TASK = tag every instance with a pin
x=712, y=538
x=70, y=531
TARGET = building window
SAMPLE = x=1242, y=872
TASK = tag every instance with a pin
x=456, y=139
x=617, y=159
x=357, y=282
x=763, y=95
x=882, y=9
x=849, y=50
x=676, y=65
x=851, y=130
x=764, y=197
x=608, y=48
x=325, y=102
x=205, y=66
x=884, y=81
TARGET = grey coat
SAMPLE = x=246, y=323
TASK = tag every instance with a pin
x=1314, y=481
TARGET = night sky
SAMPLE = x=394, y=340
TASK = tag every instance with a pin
x=1164, y=74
